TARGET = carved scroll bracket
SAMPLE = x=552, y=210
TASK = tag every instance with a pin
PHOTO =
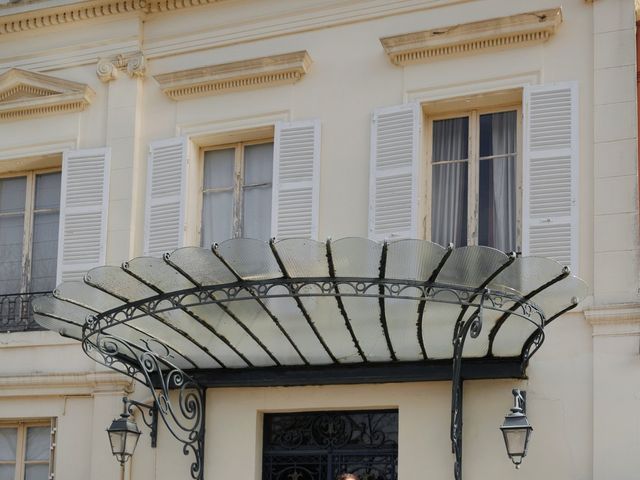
x=133, y=64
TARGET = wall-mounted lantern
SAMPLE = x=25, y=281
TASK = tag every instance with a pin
x=123, y=435
x=516, y=429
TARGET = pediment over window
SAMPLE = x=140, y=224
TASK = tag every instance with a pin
x=496, y=33
x=242, y=75
x=26, y=94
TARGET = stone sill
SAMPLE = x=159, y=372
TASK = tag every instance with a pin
x=515, y=30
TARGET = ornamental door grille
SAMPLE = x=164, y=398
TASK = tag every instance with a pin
x=322, y=445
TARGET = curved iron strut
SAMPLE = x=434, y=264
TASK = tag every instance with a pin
x=472, y=324
x=472, y=327
x=184, y=416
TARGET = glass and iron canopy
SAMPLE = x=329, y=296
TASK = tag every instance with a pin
x=299, y=312
x=296, y=303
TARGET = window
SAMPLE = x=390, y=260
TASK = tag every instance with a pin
x=475, y=179
x=29, y=217
x=236, y=192
x=322, y=445
x=26, y=449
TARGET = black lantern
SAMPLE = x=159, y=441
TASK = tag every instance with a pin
x=516, y=429
x=123, y=436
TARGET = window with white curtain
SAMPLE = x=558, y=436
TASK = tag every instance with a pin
x=29, y=218
x=474, y=179
x=236, y=192
x=26, y=450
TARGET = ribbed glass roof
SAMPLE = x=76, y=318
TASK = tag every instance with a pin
x=248, y=303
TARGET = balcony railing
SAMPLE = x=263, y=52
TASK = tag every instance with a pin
x=16, y=314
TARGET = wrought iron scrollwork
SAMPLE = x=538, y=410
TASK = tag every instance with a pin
x=16, y=314
x=321, y=445
x=183, y=414
x=149, y=414
x=472, y=327
x=298, y=288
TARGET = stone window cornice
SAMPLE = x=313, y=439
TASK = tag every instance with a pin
x=515, y=30
x=242, y=75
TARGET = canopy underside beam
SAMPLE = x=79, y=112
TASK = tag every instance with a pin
x=362, y=373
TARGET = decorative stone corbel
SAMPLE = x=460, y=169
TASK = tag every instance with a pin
x=134, y=64
x=106, y=70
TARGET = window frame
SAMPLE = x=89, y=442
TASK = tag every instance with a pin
x=29, y=215
x=238, y=182
x=473, y=169
x=22, y=427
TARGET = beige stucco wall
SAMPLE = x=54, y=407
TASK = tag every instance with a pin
x=583, y=387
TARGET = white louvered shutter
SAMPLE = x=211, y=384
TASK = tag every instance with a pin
x=296, y=178
x=550, y=211
x=165, y=196
x=84, y=199
x=393, y=177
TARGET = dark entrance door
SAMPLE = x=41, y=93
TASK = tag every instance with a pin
x=322, y=445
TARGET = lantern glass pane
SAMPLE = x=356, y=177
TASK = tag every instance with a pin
x=516, y=440
x=117, y=441
x=131, y=442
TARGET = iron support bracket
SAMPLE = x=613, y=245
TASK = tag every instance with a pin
x=183, y=412
x=149, y=414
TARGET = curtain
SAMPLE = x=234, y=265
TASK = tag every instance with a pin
x=497, y=189
x=449, y=181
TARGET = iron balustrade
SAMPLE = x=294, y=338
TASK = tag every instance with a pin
x=16, y=314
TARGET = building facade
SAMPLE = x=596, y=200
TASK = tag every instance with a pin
x=133, y=127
